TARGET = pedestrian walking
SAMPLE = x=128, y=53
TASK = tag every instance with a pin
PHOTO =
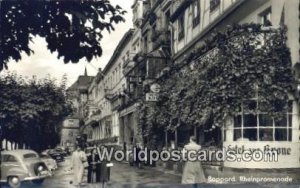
x=94, y=167
x=137, y=156
x=193, y=172
x=78, y=164
x=104, y=169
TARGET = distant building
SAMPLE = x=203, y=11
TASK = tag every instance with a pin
x=69, y=132
x=77, y=93
x=106, y=97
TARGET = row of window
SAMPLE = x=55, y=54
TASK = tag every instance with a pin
x=253, y=125
x=214, y=4
x=104, y=131
x=265, y=16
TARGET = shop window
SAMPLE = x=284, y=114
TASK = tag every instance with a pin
x=250, y=120
x=214, y=4
x=238, y=121
x=196, y=13
x=265, y=134
x=181, y=27
x=281, y=121
x=290, y=134
x=281, y=134
x=253, y=125
x=265, y=120
x=250, y=134
x=237, y=134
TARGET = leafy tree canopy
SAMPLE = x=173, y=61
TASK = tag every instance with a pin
x=32, y=110
x=72, y=28
x=215, y=80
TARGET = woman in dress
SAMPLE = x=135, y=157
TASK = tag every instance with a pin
x=78, y=160
x=94, y=167
x=193, y=172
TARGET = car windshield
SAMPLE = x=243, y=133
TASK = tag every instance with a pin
x=45, y=156
x=30, y=156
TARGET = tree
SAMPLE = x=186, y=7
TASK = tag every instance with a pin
x=71, y=28
x=232, y=67
x=32, y=110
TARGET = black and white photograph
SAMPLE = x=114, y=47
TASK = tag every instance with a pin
x=149, y=93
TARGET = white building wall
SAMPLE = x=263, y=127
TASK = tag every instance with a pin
x=206, y=17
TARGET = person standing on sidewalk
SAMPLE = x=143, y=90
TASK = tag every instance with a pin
x=193, y=172
x=104, y=169
x=94, y=167
x=137, y=156
x=78, y=160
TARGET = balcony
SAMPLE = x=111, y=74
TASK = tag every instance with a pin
x=129, y=64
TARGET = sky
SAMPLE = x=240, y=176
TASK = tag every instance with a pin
x=43, y=63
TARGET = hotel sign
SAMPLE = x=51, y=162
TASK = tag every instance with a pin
x=287, y=152
x=152, y=97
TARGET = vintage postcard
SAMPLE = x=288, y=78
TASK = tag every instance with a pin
x=150, y=93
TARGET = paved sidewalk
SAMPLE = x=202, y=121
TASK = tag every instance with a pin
x=217, y=175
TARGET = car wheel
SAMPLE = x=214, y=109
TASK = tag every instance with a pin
x=38, y=182
x=14, y=181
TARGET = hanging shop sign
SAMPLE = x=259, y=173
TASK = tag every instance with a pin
x=152, y=97
x=155, y=88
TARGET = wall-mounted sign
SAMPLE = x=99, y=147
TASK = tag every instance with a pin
x=286, y=151
x=155, y=88
x=151, y=97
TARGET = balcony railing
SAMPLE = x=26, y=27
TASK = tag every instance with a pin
x=128, y=64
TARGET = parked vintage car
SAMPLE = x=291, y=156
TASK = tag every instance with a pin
x=22, y=165
x=56, y=155
x=61, y=150
x=49, y=161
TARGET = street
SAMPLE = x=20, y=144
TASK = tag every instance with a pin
x=122, y=175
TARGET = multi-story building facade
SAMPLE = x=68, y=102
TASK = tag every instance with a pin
x=193, y=21
x=165, y=34
x=106, y=96
x=151, y=53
